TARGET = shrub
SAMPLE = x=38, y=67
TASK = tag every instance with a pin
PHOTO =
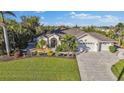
x=37, y=45
x=17, y=53
x=59, y=48
x=1, y=52
x=41, y=43
x=113, y=49
x=50, y=53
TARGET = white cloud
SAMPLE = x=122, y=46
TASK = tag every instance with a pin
x=75, y=15
x=103, y=19
x=109, y=19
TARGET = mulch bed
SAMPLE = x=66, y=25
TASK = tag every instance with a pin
x=6, y=58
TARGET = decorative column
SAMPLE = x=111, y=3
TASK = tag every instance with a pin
x=98, y=46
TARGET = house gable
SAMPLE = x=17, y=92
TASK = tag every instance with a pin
x=88, y=39
x=89, y=42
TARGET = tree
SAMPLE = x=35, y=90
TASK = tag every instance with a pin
x=13, y=32
x=41, y=43
x=31, y=23
x=89, y=29
x=113, y=49
x=18, y=35
x=69, y=43
x=48, y=29
x=119, y=30
x=3, y=13
x=119, y=25
x=111, y=34
x=76, y=26
x=1, y=42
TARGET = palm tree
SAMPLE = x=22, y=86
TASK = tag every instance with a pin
x=31, y=23
x=119, y=29
x=41, y=43
x=69, y=42
x=3, y=24
x=13, y=28
x=3, y=13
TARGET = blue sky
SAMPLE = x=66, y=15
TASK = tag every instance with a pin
x=83, y=18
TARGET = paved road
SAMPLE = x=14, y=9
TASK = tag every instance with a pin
x=96, y=66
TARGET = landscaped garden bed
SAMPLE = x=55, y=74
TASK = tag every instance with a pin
x=40, y=68
x=117, y=69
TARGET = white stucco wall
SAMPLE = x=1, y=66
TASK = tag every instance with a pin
x=44, y=38
x=105, y=46
x=90, y=42
x=48, y=40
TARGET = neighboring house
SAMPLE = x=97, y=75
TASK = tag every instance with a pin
x=91, y=41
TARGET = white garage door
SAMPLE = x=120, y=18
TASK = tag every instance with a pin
x=105, y=46
x=87, y=46
x=91, y=46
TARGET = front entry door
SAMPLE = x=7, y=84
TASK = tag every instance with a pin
x=53, y=42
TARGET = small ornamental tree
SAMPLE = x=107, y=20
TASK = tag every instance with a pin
x=69, y=43
x=41, y=43
x=113, y=49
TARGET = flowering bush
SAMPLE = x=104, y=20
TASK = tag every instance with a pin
x=50, y=53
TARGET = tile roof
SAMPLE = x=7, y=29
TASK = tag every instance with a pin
x=78, y=33
x=100, y=37
x=73, y=31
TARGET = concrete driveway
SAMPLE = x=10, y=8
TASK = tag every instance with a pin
x=96, y=66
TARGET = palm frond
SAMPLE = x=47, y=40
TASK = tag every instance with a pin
x=9, y=13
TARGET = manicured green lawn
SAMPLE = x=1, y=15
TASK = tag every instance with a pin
x=37, y=68
x=117, y=68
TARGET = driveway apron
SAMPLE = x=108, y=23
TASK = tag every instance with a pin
x=96, y=66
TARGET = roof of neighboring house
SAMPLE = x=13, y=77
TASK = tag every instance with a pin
x=100, y=37
x=73, y=31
